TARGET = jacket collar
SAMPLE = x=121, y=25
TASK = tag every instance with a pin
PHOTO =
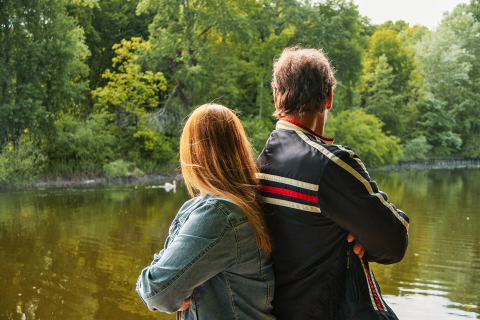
x=287, y=124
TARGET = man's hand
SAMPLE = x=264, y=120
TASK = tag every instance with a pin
x=185, y=305
x=357, y=248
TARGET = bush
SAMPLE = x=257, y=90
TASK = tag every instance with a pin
x=117, y=169
x=81, y=146
x=20, y=162
x=416, y=149
x=363, y=133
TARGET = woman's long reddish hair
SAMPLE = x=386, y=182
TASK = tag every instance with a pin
x=216, y=157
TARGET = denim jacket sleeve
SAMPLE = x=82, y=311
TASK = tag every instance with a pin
x=204, y=246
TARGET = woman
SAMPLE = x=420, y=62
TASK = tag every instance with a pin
x=214, y=264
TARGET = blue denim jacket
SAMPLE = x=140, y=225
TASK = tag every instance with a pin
x=210, y=256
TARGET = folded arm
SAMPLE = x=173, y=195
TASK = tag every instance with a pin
x=354, y=202
x=204, y=247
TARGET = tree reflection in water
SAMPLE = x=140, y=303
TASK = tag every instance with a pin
x=76, y=253
x=440, y=276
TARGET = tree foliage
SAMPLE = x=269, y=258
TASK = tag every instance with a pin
x=129, y=95
x=42, y=69
x=448, y=61
x=106, y=23
x=20, y=161
x=101, y=86
x=363, y=133
x=416, y=149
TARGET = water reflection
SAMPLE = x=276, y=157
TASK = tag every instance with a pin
x=440, y=275
x=75, y=253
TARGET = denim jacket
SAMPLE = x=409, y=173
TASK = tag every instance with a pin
x=210, y=256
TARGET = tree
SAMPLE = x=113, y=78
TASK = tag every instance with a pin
x=42, y=69
x=106, y=23
x=382, y=101
x=399, y=58
x=131, y=95
x=448, y=62
x=191, y=40
x=130, y=91
x=336, y=26
x=390, y=68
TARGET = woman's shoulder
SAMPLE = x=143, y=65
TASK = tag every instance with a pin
x=226, y=207
x=210, y=217
x=189, y=204
x=216, y=212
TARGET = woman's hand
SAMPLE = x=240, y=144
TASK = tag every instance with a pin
x=357, y=248
x=185, y=305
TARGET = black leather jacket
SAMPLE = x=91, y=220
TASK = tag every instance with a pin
x=316, y=193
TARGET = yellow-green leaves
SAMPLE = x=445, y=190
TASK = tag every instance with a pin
x=130, y=89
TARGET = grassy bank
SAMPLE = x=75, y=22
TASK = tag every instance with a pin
x=436, y=163
x=93, y=181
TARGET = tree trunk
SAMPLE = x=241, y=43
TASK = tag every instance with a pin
x=186, y=103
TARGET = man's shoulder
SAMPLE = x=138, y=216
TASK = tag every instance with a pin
x=345, y=159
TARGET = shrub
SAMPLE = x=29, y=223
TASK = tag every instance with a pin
x=117, y=169
x=416, y=149
x=20, y=162
x=80, y=146
x=363, y=133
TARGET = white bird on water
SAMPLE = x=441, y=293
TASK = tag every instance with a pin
x=168, y=186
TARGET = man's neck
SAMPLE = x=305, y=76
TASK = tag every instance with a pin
x=313, y=121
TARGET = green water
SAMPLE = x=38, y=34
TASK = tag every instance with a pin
x=75, y=253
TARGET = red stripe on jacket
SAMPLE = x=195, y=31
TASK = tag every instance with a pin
x=371, y=285
x=289, y=193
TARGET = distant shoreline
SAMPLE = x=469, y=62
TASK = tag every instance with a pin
x=435, y=164
x=82, y=182
x=432, y=164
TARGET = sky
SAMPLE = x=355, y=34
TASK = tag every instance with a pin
x=428, y=13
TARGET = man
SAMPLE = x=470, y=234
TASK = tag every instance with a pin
x=320, y=199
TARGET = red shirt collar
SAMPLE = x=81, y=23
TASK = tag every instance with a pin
x=308, y=130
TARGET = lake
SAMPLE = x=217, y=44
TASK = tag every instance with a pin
x=75, y=253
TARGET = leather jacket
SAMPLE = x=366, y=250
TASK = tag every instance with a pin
x=315, y=193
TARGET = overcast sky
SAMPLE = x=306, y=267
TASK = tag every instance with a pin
x=425, y=12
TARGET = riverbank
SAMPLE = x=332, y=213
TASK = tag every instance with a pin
x=431, y=164
x=82, y=182
x=435, y=163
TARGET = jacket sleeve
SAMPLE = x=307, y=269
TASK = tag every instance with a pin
x=205, y=246
x=349, y=198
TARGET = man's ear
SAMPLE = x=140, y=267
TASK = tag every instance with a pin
x=330, y=99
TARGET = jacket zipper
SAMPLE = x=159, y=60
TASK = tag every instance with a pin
x=348, y=259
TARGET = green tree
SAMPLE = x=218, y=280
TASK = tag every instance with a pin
x=390, y=67
x=381, y=99
x=42, y=69
x=80, y=146
x=131, y=95
x=336, y=26
x=106, y=23
x=20, y=161
x=399, y=57
x=448, y=62
x=258, y=130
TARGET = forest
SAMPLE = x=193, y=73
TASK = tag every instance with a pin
x=93, y=88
